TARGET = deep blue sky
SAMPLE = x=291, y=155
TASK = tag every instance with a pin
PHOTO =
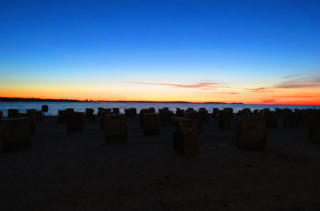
x=255, y=41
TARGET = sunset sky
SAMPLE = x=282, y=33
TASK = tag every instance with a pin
x=250, y=51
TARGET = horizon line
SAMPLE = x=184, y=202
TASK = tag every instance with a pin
x=36, y=99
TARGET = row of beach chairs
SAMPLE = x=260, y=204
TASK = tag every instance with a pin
x=250, y=128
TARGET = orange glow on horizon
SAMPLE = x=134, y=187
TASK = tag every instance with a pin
x=312, y=101
x=163, y=93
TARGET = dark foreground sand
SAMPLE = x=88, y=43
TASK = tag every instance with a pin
x=80, y=172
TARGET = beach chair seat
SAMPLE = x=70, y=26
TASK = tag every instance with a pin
x=32, y=117
x=115, y=128
x=141, y=115
x=270, y=117
x=115, y=110
x=195, y=116
x=225, y=119
x=215, y=112
x=63, y=115
x=203, y=115
x=38, y=114
x=314, y=132
x=103, y=114
x=129, y=112
x=13, y=113
x=291, y=119
x=165, y=116
x=179, y=112
x=251, y=134
x=15, y=134
x=90, y=114
x=75, y=122
x=44, y=108
x=186, y=136
x=151, y=124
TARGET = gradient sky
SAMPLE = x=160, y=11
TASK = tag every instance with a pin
x=251, y=51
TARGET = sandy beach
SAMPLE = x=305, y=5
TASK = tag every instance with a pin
x=79, y=171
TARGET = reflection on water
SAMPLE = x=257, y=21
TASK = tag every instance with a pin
x=81, y=106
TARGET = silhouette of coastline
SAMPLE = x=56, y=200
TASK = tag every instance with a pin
x=11, y=99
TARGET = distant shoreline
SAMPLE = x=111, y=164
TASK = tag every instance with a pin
x=11, y=99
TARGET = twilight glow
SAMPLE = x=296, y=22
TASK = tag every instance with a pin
x=264, y=52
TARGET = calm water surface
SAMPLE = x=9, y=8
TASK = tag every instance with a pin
x=81, y=106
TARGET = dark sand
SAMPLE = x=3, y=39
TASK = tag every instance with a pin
x=80, y=172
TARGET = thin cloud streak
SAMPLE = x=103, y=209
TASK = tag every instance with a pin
x=201, y=85
x=268, y=101
x=260, y=89
x=232, y=93
x=300, y=83
x=227, y=93
x=296, y=83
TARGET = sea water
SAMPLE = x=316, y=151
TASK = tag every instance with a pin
x=54, y=107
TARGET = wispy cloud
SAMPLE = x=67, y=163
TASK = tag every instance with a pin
x=232, y=93
x=260, y=89
x=205, y=87
x=201, y=85
x=294, y=83
x=268, y=101
x=301, y=82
